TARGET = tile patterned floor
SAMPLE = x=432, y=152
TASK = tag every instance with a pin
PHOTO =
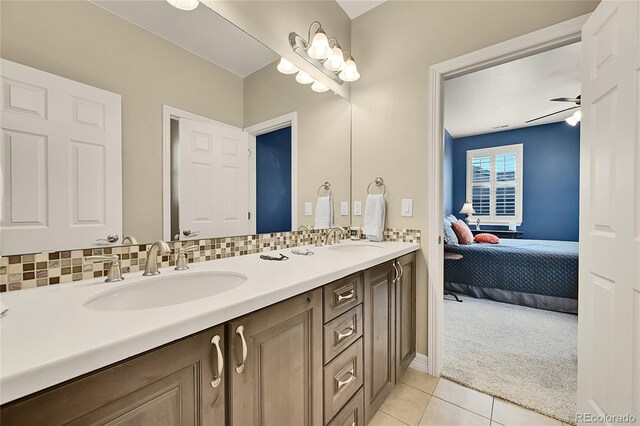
x=423, y=400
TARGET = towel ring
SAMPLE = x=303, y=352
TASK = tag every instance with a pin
x=379, y=182
x=326, y=186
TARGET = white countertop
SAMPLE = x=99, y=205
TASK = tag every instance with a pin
x=48, y=336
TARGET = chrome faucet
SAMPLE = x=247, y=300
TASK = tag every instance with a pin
x=130, y=239
x=317, y=239
x=304, y=227
x=151, y=267
x=333, y=233
x=181, y=257
x=115, y=272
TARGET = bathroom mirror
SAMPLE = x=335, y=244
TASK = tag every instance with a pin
x=215, y=141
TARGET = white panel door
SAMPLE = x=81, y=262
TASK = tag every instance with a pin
x=214, y=180
x=609, y=309
x=61, y=162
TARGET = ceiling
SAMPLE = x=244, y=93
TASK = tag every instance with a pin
x=200, y=31
x=355, y=8
x=512, y=93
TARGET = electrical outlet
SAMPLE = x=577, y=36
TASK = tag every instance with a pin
x=407, y=207
x=357, y=208
x=308, y=209
x=344, y=208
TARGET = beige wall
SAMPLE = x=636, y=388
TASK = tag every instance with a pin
x=272, y=21
x=324, y=133
x=395, y=44
x=81, y=41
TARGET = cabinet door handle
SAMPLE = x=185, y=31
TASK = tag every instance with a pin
x=216, y=381
x=401, y=270
x=343, y=383
x=346, y=296
x=343, y=334
x=396, y=276
x=240, y=331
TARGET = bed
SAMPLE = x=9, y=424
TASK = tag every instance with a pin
x=534, y=273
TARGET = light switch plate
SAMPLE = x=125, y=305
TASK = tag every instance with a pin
x=308, y=209
x=344, y=208
x=357, y=208
x=407, y=207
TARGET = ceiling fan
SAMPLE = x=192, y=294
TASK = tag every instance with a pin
x=575, y=118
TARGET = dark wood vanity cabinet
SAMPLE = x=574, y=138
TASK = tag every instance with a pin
x=275, y=376
x=329, y=356
x=177, y=384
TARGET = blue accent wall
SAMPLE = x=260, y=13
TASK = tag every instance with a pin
x=551, y=177
x=273, y=181
x=448, y=174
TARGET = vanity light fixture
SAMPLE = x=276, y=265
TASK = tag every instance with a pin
x=286, y=67
x=184, y=4
x=575, y=118
x=323, y=53
x=304, y=78
x=319, y=87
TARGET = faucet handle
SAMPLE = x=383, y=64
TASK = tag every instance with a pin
x=115, y=272
x=181, y=261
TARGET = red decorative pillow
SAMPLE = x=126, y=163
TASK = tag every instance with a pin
x=462, y=232
x=487, y=239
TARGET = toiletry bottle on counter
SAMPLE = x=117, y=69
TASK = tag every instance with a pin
x=355, y=234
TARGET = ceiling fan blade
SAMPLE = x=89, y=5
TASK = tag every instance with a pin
x=574, y=100
x=549, y=115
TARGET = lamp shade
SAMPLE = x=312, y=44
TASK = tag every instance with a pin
x=184, y=4
x=467, y=208
x=319, y=87
x=286, y=67
x=350, y=71
x=335, y=61
x=319, y=48
x=304, y=78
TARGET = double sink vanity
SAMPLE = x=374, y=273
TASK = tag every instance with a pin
x=314, y=340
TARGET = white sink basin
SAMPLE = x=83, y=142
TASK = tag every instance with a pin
x=356, y=248
x=165, y=291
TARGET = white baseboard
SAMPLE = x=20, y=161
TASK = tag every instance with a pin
x=420, y=363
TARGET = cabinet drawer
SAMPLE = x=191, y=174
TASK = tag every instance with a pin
x=352, y=414
x=342, y=295
x=340, y=332
x=342, y=379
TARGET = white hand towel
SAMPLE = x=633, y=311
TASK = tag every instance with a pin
x=324, y=213
x=3, y=310
x=374, y=212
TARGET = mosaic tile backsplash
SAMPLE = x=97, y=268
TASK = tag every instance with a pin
x=41, y=269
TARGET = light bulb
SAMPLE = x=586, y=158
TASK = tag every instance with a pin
x=350, y=71
x=319, y=87
x=572, y=121
x=319, y=48
x=304, y=78
x=335, y=61
x=286, y=67
x=184, y=4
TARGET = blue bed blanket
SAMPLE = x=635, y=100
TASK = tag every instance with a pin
x=547, y=268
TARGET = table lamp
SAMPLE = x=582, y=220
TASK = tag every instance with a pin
x=467, y=209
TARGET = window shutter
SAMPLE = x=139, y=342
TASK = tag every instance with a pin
x=506, y=184
x=481, y=185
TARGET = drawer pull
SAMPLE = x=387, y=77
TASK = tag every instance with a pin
x=216, y=341
x=396, y=277
x=401, y=270
x=343, y=383
x=346, y=296
x=349, y=331
x=240, y=331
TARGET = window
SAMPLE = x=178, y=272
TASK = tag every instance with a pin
x=494, y=184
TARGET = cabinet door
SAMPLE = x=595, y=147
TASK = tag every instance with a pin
x=276, y=376
x=405, y=313
x=171, y=385
x=379, y=336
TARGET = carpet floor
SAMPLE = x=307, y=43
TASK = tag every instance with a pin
x=524, y=355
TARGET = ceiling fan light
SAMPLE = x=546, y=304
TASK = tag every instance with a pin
x=572, y=121
x=304, y=78
x=319, y=48
x=335, y=61
x=350, y=71
x=319, y=87
x=577, y=115
x=286, y=67
x=184, y=4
